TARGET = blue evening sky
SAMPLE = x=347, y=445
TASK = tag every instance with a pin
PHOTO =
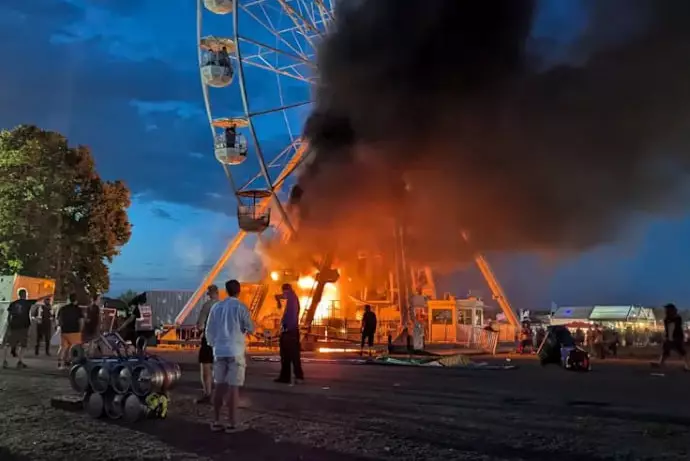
x=121, y=76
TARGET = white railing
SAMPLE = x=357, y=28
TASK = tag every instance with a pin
x=477, y=338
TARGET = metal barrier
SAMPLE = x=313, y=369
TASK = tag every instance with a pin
x=477, y=338
x=351, y=330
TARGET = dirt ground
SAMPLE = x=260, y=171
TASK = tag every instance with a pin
x=350, y=412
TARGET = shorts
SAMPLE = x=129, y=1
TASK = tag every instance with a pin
x=205, y=352
x=677, y=346
x=17, y=337
x=368, y=338
x=70, y=339
x=229, y=370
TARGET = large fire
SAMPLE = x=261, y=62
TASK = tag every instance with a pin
x=330, y=302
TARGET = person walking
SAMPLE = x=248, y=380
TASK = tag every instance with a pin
x=206, y=351
x=18, y=324
x=228, y=323
x=368, y=329
x=289, y=343
x=43, y=316
x=70, y=319
x=673, y=337
x=92, y=323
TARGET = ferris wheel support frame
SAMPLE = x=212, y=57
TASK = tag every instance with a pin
x=252, y=131
x=237, y=240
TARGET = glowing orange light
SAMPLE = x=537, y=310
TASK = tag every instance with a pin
x=331, y=295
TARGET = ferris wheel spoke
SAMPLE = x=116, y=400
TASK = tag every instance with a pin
x=279, y=109
x=262, y=47
x=288, y=71
x=306, y=28
x=267, y=24
x=279, y=161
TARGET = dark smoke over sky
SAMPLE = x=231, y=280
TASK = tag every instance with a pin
x=442, y=96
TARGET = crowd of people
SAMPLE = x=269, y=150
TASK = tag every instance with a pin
x=603, y=342
x=68, y=325
x=224, y=325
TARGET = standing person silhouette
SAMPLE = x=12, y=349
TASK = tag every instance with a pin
x=18, y=324
x=228, y=323
x=673, y=337
x=206, y=351
x=368, y=329
x=290, y=357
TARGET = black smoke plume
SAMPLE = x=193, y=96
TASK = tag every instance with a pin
x=432, y=111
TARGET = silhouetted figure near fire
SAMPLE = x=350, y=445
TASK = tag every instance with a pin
x=673, y=336
x=289, y=337
x=368, y=329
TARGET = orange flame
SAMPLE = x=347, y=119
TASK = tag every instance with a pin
x=329, y=301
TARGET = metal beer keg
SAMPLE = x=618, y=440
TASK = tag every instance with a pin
x=93, y=404
x=134, y=409
x=121, y=377
x=99, y=376
x=147, y=377
x=79, y=378
x=171, y=374
x=115, y=405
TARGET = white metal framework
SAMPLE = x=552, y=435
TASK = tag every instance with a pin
x=256, y=61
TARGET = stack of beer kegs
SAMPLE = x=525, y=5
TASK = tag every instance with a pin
x=130, y=387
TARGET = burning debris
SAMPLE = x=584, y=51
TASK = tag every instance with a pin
x=432, y=112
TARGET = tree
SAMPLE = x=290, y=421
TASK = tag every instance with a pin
x=127, y=296
x=58, y=218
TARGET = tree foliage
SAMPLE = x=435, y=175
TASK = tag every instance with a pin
x=58, y=218
x=127, y=296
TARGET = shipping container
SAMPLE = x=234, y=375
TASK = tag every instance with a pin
x=10, y=285
x=36, y=288
x=165, y=305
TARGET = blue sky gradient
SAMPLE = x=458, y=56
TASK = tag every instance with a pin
x=121, y=76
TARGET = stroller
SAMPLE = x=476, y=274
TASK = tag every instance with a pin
x=559, y=347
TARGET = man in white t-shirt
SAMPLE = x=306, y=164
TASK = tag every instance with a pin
x=226, y=327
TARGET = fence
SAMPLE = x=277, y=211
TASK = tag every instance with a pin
x=477, y=338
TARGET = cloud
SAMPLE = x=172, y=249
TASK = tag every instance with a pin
x=127, y=85
x=162, y=214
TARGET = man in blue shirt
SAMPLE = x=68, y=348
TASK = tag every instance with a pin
x=289, y=337
x=228, y=323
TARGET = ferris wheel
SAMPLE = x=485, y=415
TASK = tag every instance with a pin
x=257, y=67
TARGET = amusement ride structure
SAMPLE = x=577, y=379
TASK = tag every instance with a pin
x=257, y=66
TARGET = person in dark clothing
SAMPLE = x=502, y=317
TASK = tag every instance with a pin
x=673, y=336
x=18, y=324
x=70, y=319
x=128, y=329
x=290, y=354
x=43, y=315
x=206, y=351
x=92, y=322
x=368, y=329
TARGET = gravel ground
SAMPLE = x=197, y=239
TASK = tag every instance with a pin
x=350, y=412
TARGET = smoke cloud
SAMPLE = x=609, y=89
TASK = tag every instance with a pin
x=431, y=111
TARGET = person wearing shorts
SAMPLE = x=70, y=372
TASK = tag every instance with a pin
x=368, y=329
x=227, y=325
x=70, y=319
x=206, y=351
x=18, y=324
x=674, y=336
